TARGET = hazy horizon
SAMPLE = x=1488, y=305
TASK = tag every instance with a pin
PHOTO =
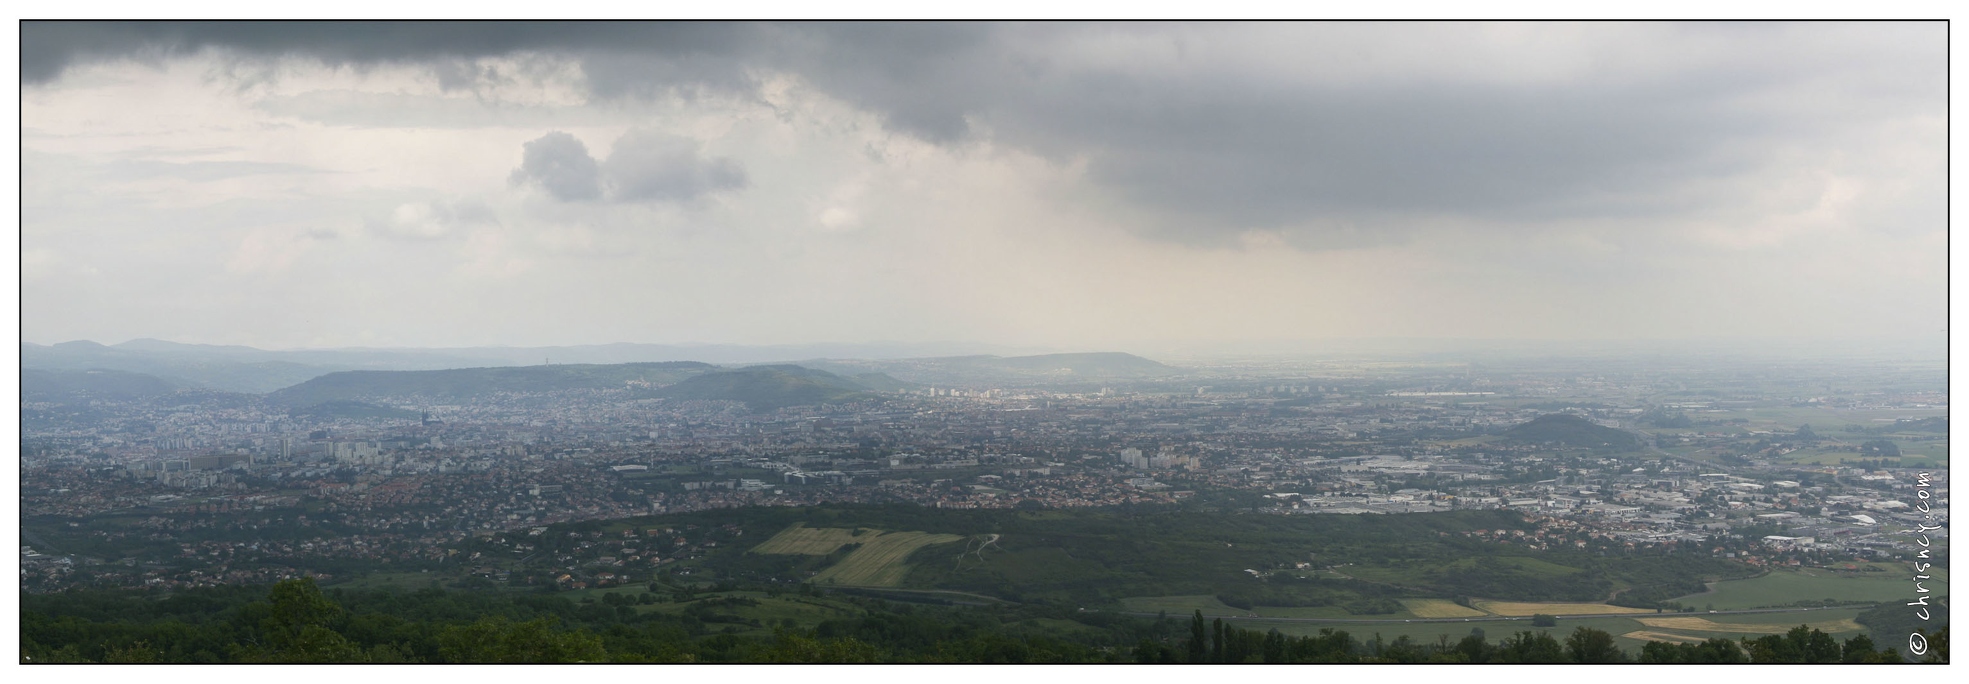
x=1392, y=348
x=1156, y=188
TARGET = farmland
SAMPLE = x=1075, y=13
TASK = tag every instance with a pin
x=881, y=561
x=1438, y=608
x=1665, y=637
x=1700, y=624
x=1788, y=587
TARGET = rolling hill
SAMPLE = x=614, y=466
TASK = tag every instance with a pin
x=1568, y=430
x=764, y=388
x=236, y=368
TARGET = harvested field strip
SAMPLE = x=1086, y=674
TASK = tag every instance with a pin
x=1696, y=624
x=1644, y=635
x=800, y=540
x=1439, y=608
x=1514, y=609
x=880, y=561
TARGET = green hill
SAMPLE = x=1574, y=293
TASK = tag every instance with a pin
x=1568, y=430
x=764, y=388
x=472, y=382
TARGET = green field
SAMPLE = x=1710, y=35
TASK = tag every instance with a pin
x=1418, y=573
x=881, y=561
x=1316, y=612
x=1913, y=454
x=1824, y=421
x=1931, y=449
x=813, y=541
x=1787, y=587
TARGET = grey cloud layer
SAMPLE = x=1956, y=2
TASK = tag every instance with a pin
x=1209, y=130
x=559, y=164
x=652, y=166
x=643, y=166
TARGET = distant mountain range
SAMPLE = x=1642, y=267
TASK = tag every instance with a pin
x=234, y=369
x=56, y=385
x=259, y=371
x=1565, y=429
x=368, y=393
x=465, y=383
x=761, y=388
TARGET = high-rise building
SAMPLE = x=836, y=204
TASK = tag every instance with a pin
x=1132, y=457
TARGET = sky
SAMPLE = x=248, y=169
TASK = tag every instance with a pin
x=1077, y=186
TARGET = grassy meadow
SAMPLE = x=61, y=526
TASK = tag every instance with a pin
x=881, y=561
x=1787, y=587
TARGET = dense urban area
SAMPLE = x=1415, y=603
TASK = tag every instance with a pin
x=1760, y=468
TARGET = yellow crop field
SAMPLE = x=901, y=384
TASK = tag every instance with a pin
x=880, y=561
x=1644, y=635
x=1696, y=624
x=1438, y=608
x=1515, y=609
x=801, y=540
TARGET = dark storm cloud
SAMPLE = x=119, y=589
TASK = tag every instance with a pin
x=1214, y=142
x=652, y=166
x=924, y=78
x=559, y=163
x=50, y=47
x=874, y=63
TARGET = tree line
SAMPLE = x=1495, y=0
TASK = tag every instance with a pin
x=296, y=622
x=1217, y=642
